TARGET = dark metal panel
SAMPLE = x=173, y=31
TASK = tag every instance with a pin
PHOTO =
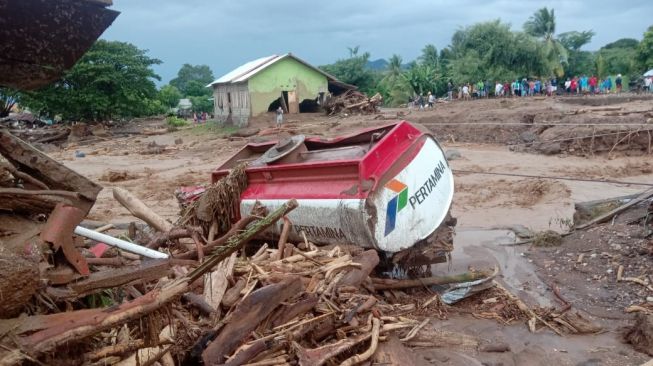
x=40, y=39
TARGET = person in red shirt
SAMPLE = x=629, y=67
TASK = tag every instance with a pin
x=593, y=83
x=574, y=85
x=506, y=89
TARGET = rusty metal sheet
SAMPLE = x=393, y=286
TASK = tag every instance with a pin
x=58, y=230
x=40, y=39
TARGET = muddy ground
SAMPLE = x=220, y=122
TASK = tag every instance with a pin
x=489, y=136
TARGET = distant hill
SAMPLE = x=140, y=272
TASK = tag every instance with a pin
x=382, y=65
x=377, y=65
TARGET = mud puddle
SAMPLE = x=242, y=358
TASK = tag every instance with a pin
x=478, y=248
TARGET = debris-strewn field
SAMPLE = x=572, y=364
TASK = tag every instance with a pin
x=554, y=269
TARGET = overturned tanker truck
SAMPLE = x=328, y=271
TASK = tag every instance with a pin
x=388, y=188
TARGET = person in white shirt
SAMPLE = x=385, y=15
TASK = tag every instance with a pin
x=431, y=100
x=498, y=90
x=466, y=92
x=647, y=84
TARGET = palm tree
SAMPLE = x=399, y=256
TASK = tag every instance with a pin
x=542, y=24
x=430, y=56
x=395, y=81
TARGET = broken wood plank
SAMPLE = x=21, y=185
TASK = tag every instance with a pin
x=215, y=282
x=148, y=271
x=52, y=173
x=247, y=316
x=287, y=313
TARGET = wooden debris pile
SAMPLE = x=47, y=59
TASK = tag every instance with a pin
x=212, y=299
x=353, y=102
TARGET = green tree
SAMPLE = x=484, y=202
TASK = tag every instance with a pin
x=542, y=24
x=430, y=56
x=575, y=40
x=622, y=43
x=422, y=78
x=201, y=103
x=188, y=74
x=601, y=69
x=645, y=51
x=578, y=62
x=491, y=51
x=353, y=71
x=620, y=57
x=197, y=88
x=169, y=96
x=394, y=85
x=112, y=80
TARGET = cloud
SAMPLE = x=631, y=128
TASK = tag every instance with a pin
x=224, y=34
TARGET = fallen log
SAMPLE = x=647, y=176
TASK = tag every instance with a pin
x=392, y=284
x=48, y=171
x=20, y=281
x=368, y=260
x=140, y=210
x=247, y=316
x=607, y=216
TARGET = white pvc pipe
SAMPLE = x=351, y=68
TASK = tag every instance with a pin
x=118, y=243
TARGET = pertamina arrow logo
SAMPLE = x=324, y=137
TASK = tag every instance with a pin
x=396, y=204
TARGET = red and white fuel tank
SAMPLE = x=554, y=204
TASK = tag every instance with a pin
x=387, y=187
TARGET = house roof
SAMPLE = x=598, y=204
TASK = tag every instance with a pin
x=185, y=103
x=249, y=69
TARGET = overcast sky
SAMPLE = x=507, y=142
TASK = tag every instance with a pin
x=226, y=33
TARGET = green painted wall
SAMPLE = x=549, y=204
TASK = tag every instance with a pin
x=284, y=75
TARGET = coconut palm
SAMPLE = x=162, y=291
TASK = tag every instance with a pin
x=542, y=24
x=395, y=82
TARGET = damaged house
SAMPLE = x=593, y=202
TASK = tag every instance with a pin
x=267, y=83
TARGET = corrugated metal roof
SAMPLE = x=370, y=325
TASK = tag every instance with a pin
x=246, y=71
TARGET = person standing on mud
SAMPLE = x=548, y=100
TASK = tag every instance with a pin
x=466, y=92
x=431, y=100
x=279, y=116
x=450, y=90
x=618, y=82
x=593, y=82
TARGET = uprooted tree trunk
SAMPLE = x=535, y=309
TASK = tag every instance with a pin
x=20, y=281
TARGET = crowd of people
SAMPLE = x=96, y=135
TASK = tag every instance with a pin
x=577, y=85
x=582, y=85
